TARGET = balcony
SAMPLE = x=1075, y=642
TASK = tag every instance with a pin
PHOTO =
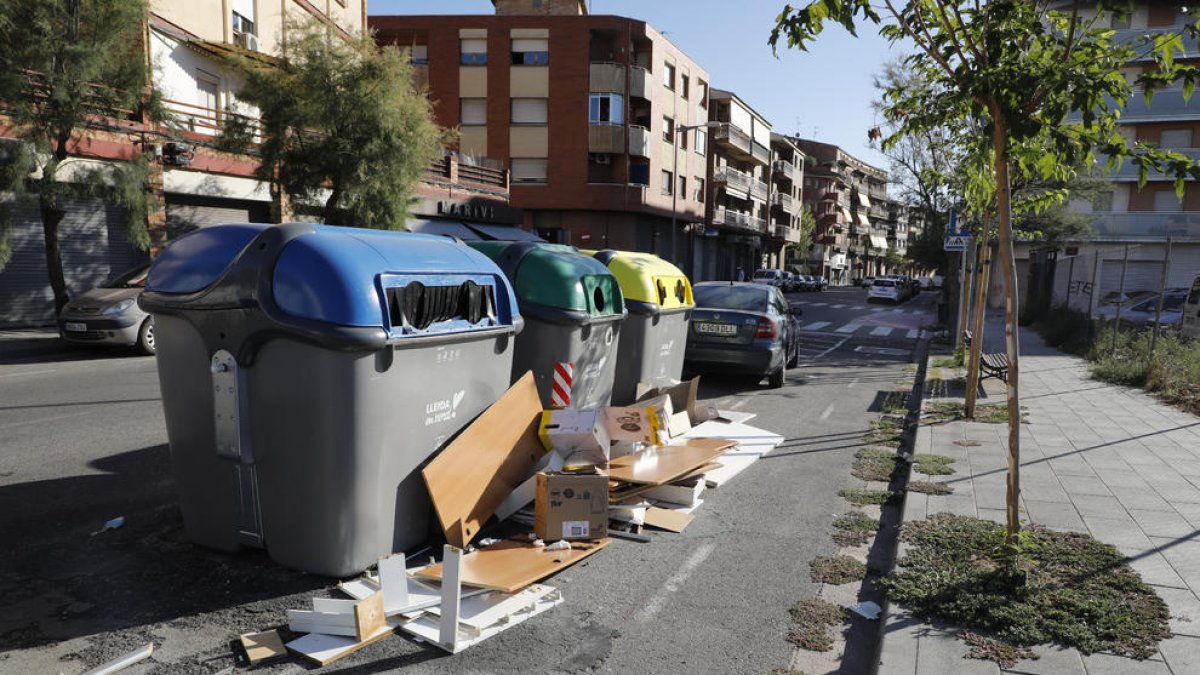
x=606, y=138
x=738, y=219
x=1131, y=36
x=760, y=153
x=207, y=121
x=1128, y=172
x=783, y=200
x=735, y=141
x=607, y=78
x=639, y=141
x=758, y=190
x=782, y=168
x=638, y=77
x=1168, y=105
x=1183, y=225
x=733, y=180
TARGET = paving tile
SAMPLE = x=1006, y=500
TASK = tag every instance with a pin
x=1084, y=485
x=1154, y=568
x=916, y=506
x=1119, y=533
x=1182, y=654
x=939, y=651
x=994, y=515
x=1163, y=524
x=1104, y=507
x=1144, y=499
x=1052, y=660
x=1111, y=664
x=1190, y=512
x=1071, y=466
x=1184, y=556
x=1177, y=494
x=1055, y=515
x=1185, y=610
x=898, y=655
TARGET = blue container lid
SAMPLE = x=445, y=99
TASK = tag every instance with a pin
x=344, y=276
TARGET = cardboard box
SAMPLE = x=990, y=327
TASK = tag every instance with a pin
x=570, y=506
x=640, y=422
x=578, y=436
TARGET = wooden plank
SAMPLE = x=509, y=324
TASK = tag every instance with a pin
x=324, y=649
x=369, y=616
x=262, y=646
x=621, y=492
x=666, y=519
x=358, y=589
x=477, y=471
x=305, y=621
x=510, y=566
x=663, y=464
x=334, y=606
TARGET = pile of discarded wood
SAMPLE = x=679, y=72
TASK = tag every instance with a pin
x=569, y=478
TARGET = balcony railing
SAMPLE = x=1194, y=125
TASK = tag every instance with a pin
x=783, y=168
x=1132, y=36
x=758, y=189
x=760, y=152
x=783, y=200
x=490, y=174
x=732, y=179
x=738, y=219
x=639, y=141
x=638, y=77
x=734, y=140
x=607, y=77
x=1179, y=225
x=1128, y=172
x=207, y=121
x=606, y=138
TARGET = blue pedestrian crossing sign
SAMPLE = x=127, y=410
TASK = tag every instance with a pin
x=956, y=239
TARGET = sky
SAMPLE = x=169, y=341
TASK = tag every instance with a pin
x=825, y=93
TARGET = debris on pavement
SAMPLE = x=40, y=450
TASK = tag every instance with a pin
x=110, y=525
x=262, y=646
x=122, y=662
x=867, y=609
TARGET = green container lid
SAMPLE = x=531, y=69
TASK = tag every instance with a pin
x=553, y=275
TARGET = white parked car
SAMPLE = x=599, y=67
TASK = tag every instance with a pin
x=885, y=289
x=770, y=277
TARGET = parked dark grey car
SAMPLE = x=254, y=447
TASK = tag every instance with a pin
x=742, y=328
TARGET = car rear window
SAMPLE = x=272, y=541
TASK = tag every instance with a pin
x=885, y=282
x=764, y=274
x=731, y=297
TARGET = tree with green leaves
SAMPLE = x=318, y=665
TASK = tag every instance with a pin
x=67, y=67
x=1044, y=81
x=342, y=120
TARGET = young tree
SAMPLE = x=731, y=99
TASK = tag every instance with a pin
x=343, y=115
x=67, y=66
x=1046, y=83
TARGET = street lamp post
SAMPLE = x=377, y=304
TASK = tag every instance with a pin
x=683, y=129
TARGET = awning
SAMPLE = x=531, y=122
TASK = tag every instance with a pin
x=878, y=241
x=846, y=216
x=862, y=199
x=503, y=232
x=449, y=228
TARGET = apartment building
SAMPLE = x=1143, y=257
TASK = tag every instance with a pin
x=785, y=204
x=197, y=185
x=1124, y=215
x=594, y=116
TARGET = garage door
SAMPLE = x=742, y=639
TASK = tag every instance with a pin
x=186, y=213
x=1141, y=275
x=94, y=248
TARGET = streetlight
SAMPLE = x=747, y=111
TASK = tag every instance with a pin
x=683, y=129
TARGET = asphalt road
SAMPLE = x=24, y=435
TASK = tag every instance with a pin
x=82, y=441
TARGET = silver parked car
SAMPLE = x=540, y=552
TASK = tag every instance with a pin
x=109, y=314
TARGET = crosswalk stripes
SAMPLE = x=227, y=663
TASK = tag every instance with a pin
x=817, y=325
x=837, y=307
x=849, y=328
x=854, y=326
x=882, y=331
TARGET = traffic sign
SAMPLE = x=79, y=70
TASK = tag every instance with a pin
x=957, y=242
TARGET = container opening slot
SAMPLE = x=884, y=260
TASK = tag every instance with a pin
x=419, y=306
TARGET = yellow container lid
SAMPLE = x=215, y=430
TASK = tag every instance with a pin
x=645, y=277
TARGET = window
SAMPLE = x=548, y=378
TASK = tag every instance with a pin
x=668, y=182
x=701, y=141
x=699, y=183
x=1166, y=201
x=529, y=111
x=702, y=92
x=1176, y=138
x=606, y=109
x=683, y=138
x=473, y=52
x=668, y=129
x=243, y=16
x=683, y=85
x=472, y=111
x=208, y=87
x=419, y=55
x=528, y=170
x=530, y=52
x=682, y=187
x=669, y=75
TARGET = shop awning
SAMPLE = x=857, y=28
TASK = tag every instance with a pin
x=862, y=199
x=878, y=241
x=450, y=228
x=845, y=213
x=503, y=232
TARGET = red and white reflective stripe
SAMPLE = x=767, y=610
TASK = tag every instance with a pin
x=564, y=375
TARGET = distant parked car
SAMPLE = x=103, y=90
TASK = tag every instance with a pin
x=791, y=283
x=742, y=328
x=820, y=283
x=770, y=277
x=885, y=289
x=866, y=282
x=1191, y=311
x=109, y=314
x=1113, y=297
x=1141, y=312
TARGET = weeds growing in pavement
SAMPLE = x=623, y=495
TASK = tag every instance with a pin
x=884, y=431
x=933, y=465
x=811, y=621
x=895, y=403
x=876, y=468
x=868, y=497
x=854, y=528
x=991, y=649
x=1172, y=373
x=929, y=487
x=953, y=361
x=951, y=411
x=1063, y=587
x=838, y=569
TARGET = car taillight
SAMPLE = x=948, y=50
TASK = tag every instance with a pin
x=766, y=329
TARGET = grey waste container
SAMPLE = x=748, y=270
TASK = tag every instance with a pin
x=573, y=310
x=654, y=336
x=307, y=372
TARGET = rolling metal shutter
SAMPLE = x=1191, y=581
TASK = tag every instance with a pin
x=186, y=213
x=1142, y=275
x=94, y=248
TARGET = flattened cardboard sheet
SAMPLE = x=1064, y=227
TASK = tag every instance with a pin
x=510, y=566
x=477, y=471
x=663, y=464
x=666, y=519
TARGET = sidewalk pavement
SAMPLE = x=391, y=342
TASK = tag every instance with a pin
x=1098, y=458
x=30, y=342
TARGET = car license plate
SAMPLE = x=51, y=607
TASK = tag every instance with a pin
x=716, y=328
x=75, y=327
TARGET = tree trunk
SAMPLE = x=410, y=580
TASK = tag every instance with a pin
x=52, y=216
x=1009, y=266
x=980, y=310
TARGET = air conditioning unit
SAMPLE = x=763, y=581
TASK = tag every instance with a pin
x=248, y=41
x=601, y=158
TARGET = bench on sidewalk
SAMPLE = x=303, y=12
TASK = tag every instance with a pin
x=993, y=365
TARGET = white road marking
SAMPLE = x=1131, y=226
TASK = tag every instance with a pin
x=878, y=309
x=899, y=309
x=822, y=354
x=820, y=304
x=738, y=404
x=828, y=411
x=852, y=383
x=43, y=420
x=912, y=334
x=674, y=583
x=882, y=331
x=28, y=372
x=849, y=328
x=816, y=325
x=837, y=307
